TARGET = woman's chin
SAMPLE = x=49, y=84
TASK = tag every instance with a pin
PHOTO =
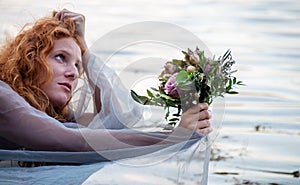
x=60, y=102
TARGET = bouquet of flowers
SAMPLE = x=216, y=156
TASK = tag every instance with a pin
x=184, y=83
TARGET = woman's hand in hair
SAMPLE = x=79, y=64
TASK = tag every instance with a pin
x=78, y=19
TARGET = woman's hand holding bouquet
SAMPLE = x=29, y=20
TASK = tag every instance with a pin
x=190, y=85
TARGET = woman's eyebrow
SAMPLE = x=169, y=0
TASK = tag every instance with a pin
x=63, y=51
x=69, y=53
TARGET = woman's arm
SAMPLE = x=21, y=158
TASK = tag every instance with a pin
x=26, y=126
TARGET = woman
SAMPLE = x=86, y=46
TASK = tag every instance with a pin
x=39, y=72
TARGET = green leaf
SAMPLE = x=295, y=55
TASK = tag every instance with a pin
x=186, y=86
x=150, y=94
x=140, y=99
x=166, y=97
x=172, y=123
x=174, y=119
x=240, y=83
x=182, y=76
x=230, y=82
x=234, y=80
x=202, y=60
x=154, y=89
x=233, y=92
x=167, y=113
x=227, y=54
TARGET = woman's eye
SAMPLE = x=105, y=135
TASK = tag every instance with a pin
x=77, y=67
x=60, y=57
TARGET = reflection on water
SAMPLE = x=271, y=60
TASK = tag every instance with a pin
x=261, y=127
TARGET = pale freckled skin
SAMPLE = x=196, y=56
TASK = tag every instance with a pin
x=64, y=58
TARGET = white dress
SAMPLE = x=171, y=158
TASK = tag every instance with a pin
x=116, y=134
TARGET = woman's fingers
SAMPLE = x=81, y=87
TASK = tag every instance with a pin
x=73, y=16
x=197, y=108
x=204, y=114
x=77, y=18
x=57, y=15
x=202, y=127
x=200, y=124
x=63, y=13
x=66, y=14
x=203, y=124
x=197, y=118
x=205, y=131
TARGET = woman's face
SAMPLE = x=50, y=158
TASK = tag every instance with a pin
x=65, y=60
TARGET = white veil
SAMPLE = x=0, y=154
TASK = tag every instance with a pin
x=187, y=160
x=181, y=156
x=118, y=109
x=177, y=157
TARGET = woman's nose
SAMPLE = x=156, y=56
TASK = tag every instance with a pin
x=72, y=72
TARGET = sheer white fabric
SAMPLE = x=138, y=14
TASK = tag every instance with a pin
x=118, y=109
x=115, y=132
x=24, y=125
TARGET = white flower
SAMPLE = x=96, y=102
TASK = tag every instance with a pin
x=190, y=69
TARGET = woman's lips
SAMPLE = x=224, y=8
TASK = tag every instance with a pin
x=67, y=85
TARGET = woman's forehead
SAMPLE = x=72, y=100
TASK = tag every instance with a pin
x=67, y=45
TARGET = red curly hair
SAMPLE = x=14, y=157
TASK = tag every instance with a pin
x=24, y=58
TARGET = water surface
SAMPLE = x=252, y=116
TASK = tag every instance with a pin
x=260, y=135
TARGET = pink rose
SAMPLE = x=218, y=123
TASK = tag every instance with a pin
x=170, y=87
